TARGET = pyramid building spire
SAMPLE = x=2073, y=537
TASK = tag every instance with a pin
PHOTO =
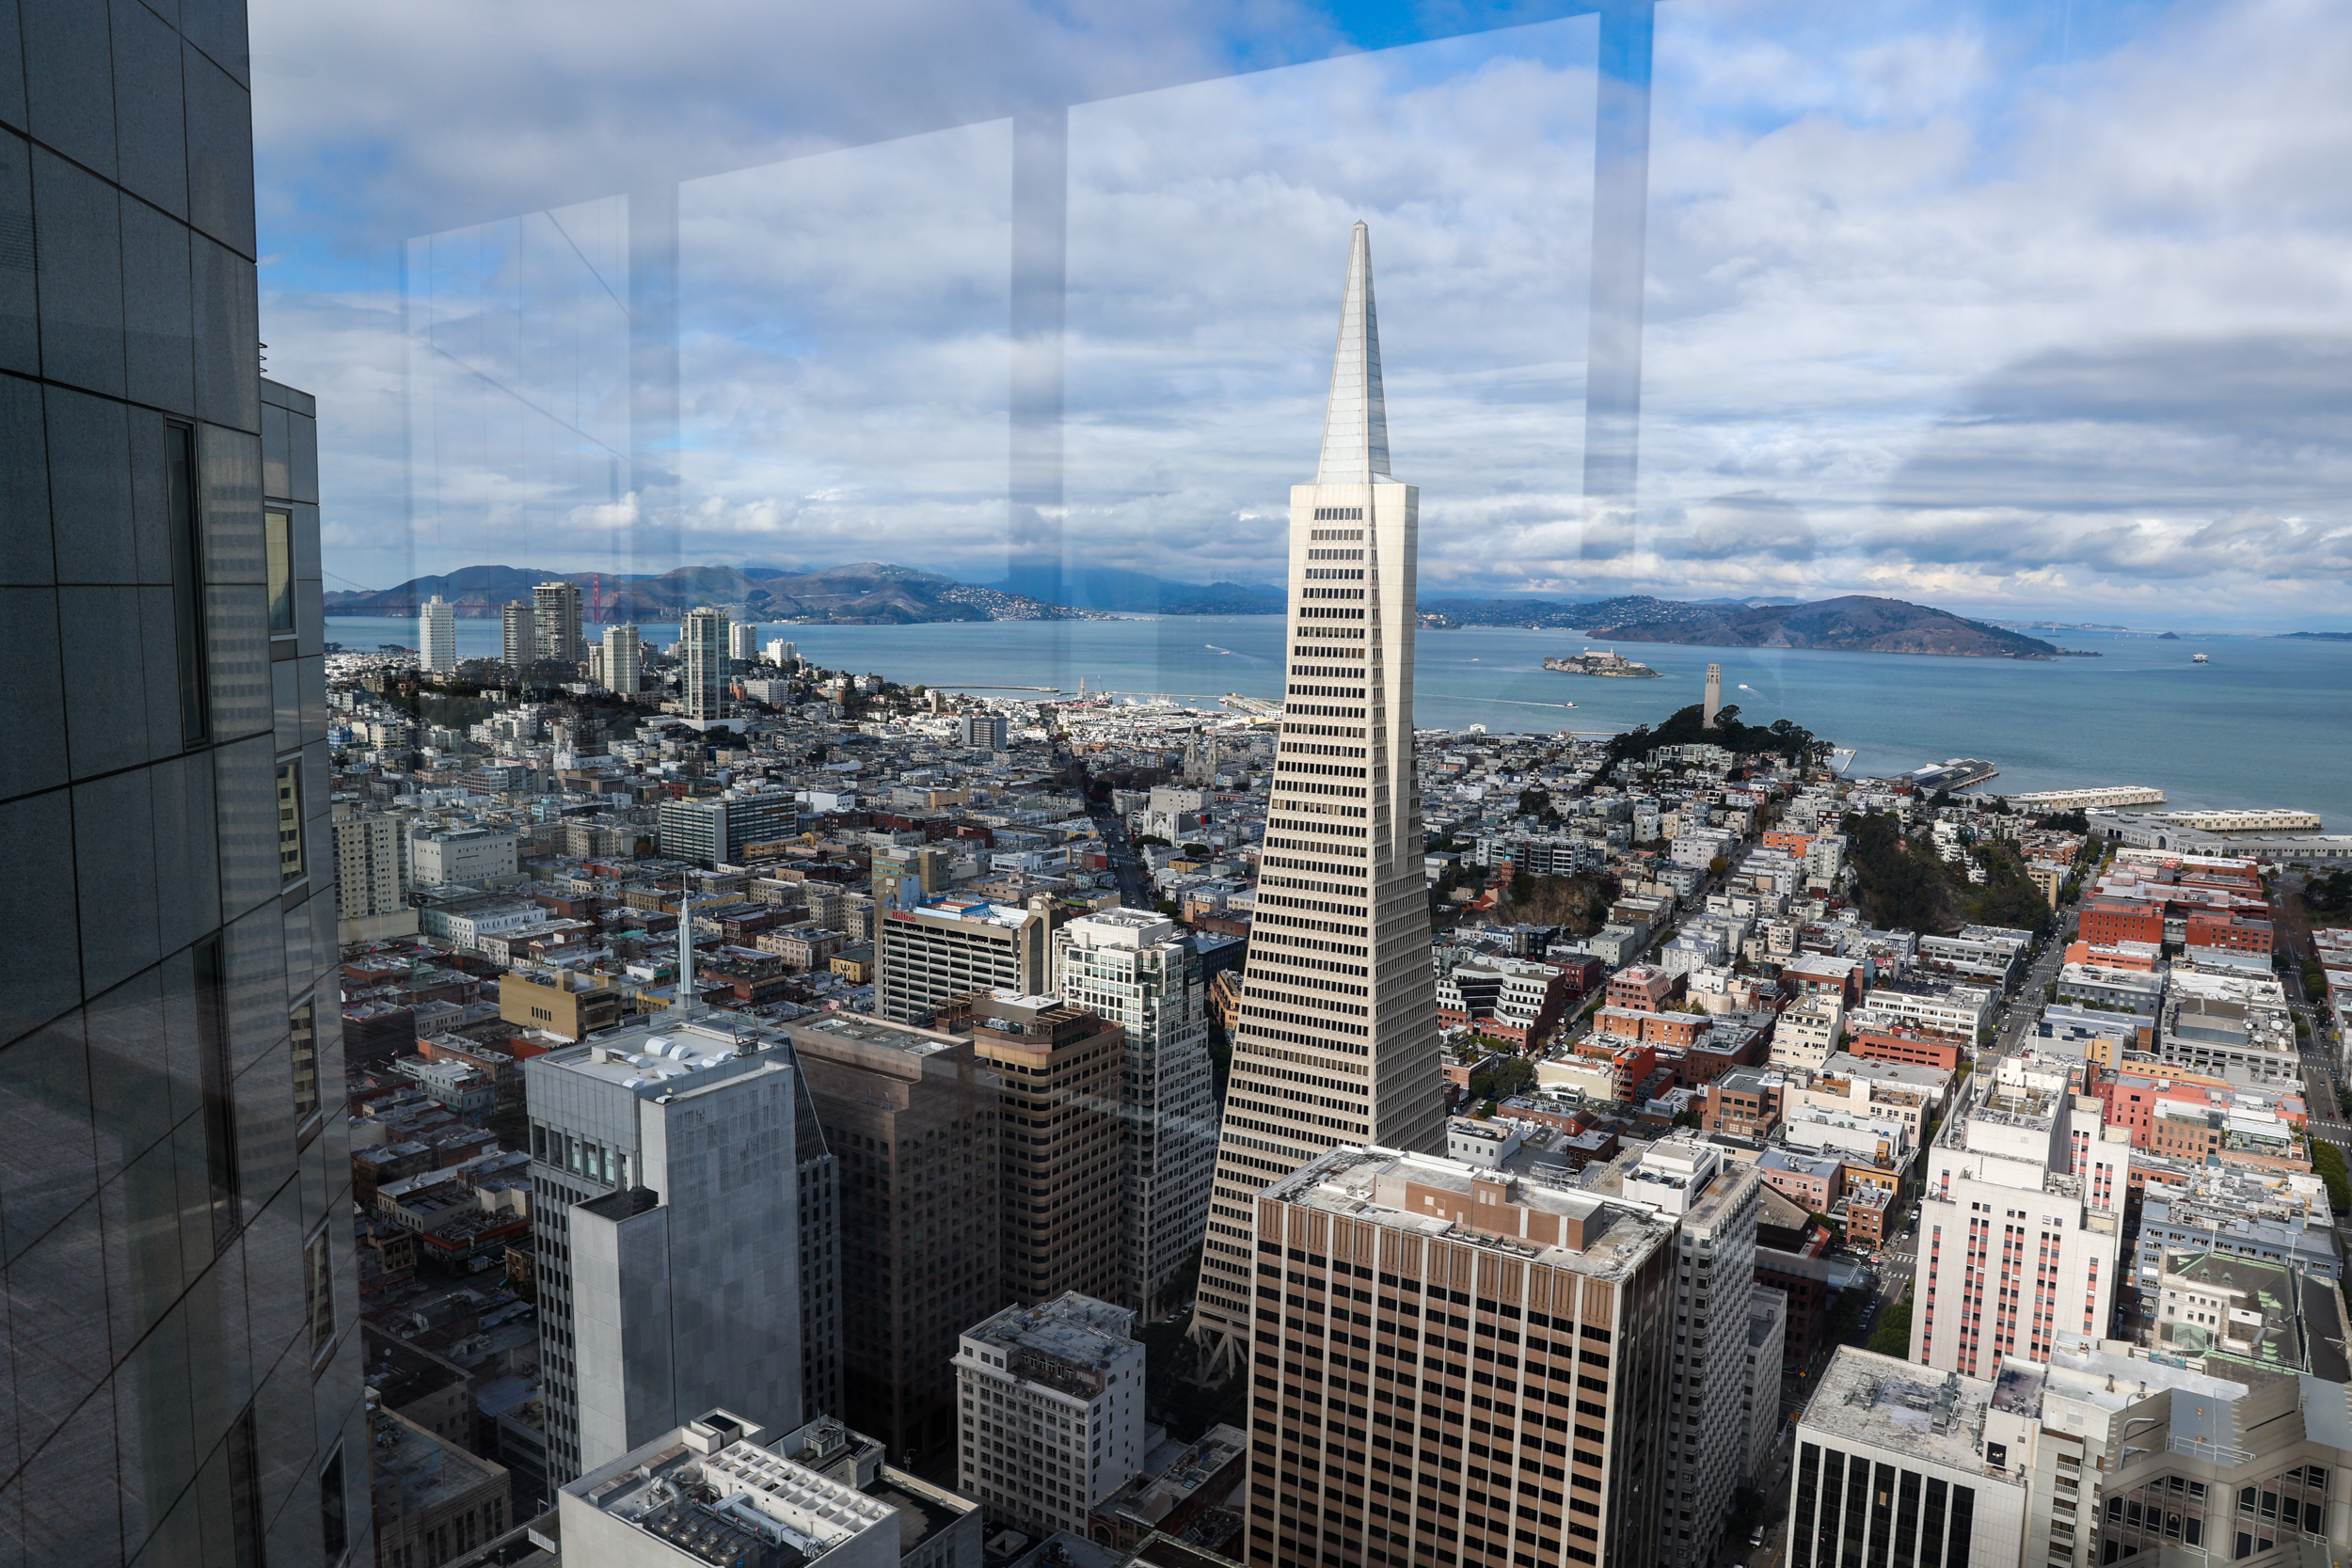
x=1356, y=423
x=1337, y=991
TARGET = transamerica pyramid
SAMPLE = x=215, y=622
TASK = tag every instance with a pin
x=1336, y=1037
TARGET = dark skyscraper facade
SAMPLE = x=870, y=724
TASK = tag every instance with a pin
x=184, y=1383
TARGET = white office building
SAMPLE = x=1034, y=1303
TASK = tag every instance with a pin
x=1959, y=1010
x=657, y=1155
x=1894, y=1464
x=744, y=642
x=436, y=634
x=2021, y=1223
x=1050, y=1411
x=1339, y=991
x=1709, y=1405
x=784, y=655
x=442, y=857
x=1136, y=969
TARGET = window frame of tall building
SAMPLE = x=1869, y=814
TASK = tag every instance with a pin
x=167, y=1019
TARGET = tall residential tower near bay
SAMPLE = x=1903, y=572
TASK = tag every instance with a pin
x=1336, y=1037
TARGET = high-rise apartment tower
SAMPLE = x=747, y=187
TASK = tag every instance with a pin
x=555, y=621
x=2020, y=1228
x=1336, y=1037
x=518, y=634
x=370, y=901
x=702, y=655
x=1710, y=1390
x=624, y=659
x=436, y=634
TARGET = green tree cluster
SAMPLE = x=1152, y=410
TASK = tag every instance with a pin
x=1512, y=1076
x=2006, y=897
x=2328, y=893
x=1688, y=727
x=2327, y=1164
x=1893, y=1335
x=1900, y=882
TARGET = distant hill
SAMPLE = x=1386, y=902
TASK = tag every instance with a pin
x=868, y=593
x=2323, y=636
x=1114, y=587
x=1853, y=623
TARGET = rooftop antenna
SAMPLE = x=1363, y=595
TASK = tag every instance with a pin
x=685, y=946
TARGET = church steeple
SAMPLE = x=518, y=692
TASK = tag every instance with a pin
x=1356, y=425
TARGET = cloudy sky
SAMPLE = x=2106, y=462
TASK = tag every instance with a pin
x=2036, y=309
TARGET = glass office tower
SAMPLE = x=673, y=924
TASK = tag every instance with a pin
x=174, y=1182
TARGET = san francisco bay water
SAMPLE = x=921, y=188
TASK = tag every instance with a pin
x=2261, y=724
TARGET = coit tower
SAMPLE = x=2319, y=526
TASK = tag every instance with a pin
x=1336, y=1041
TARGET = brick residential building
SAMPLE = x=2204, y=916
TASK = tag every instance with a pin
x=2108, y=920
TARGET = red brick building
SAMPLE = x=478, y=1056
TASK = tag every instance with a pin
x=2109, y=920
x=2238, y=933
x=1920, y=1048
x=1643, y=989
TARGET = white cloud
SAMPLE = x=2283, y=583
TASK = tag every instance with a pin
x=1943, y=305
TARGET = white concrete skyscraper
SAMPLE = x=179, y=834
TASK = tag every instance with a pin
x=1336, y=1037
x=2021, y=1226
x=436, y=634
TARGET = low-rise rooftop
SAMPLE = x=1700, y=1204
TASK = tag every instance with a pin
x=1071, y=1331
x=1887, y=1403
x=710, y=1491
x=1430, y=1196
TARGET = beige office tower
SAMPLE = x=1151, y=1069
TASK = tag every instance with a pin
x=928, y=954
x=1457, y=1365
x=1062, y=1167
x=1336, y=1040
